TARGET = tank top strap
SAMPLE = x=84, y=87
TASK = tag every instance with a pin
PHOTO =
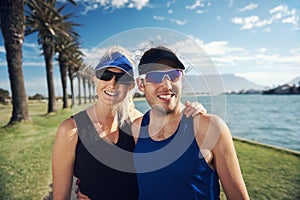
x=85, y=127
x=144, y=125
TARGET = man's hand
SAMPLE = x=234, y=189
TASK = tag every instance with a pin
x=81, y=196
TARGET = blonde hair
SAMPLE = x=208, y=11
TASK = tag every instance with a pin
x=125, y=109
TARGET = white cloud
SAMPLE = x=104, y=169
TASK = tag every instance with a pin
x=248, y=7
x=90, y=5
x=295, y=51
x=280, y=8
x=176, y=21
x=159, y=18
x=139, y=4
x=279, y=14
x=199, y=11
x=2, y=49
x=199, y=4
x=179, y=22
x=262, y=50
x=232, y=59
x=169, y=3
x=220, y=48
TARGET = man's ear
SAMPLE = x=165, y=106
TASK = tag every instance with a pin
x=140, y=84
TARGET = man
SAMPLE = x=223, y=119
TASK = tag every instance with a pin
x=176, y=157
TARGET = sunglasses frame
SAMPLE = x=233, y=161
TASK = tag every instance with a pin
x=143, y=76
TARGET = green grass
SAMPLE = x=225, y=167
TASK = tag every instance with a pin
x=25, y=153
x=25, y=160
x=269, y=173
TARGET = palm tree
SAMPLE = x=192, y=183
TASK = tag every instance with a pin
x=86, y=77
x=77, y=61
x=74, y=67
x=78, y=75
x=12, y=21
x=83, y=74
x=68, y=52
x=48, y=22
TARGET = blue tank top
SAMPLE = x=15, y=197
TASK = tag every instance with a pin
x=97, y=179
x=173, y=168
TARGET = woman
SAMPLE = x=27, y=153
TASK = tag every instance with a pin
x=88, y=145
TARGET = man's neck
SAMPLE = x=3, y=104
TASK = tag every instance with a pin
x=162, y=118
x=162, y=125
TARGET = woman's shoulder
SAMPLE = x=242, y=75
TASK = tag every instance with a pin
x=67, y=129
x=136, y=114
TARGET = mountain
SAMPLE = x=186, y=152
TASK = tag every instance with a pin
x=295, y=81
x=216, y=84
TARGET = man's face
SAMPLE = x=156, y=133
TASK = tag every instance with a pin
x=163, y=88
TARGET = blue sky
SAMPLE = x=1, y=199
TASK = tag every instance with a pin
x=258, y=40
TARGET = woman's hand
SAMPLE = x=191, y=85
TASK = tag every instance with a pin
x=193, y=109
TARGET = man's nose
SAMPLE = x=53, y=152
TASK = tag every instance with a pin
x=166, y=82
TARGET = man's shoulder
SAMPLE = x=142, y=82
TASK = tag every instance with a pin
x=208, y=119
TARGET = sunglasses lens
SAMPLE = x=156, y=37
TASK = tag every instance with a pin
x=174, y=75
x=106, y=76
x=122, y=78
x=103, y=75
x=154, y=77
x=158, y=76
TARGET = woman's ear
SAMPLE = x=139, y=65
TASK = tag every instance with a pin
x=140, y=84
x=131, y=86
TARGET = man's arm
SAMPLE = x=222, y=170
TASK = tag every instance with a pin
x=214, y=138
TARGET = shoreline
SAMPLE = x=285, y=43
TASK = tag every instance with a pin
x=277, y=148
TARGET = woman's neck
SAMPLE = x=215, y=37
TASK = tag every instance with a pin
x=104, y=114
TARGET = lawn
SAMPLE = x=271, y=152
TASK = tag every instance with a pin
x=25, y=160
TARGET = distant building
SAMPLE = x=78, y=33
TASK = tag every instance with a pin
x=284, y=89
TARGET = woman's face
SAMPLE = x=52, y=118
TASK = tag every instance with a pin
x=111, y=92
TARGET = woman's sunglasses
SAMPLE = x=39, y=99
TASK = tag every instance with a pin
x=120, y=77
x=159, y=76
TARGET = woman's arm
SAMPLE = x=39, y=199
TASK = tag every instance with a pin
x=63, y=157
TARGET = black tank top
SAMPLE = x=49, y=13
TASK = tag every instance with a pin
x=104, y=170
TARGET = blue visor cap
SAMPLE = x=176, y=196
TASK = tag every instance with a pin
x=117, y=60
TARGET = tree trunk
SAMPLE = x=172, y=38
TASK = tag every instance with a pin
x=48, y=55
x=63, y=76
x=84, y=88
x=90, y=92
x=79, y=88
x=94, y=92
x=72, y=88
x=13, y=27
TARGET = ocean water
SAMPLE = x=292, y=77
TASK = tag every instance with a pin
x=269, y=119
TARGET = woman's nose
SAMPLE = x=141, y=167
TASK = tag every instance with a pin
x=113, y=81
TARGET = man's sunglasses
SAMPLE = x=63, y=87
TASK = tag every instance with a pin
x=159, y=76
x=120, y=77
